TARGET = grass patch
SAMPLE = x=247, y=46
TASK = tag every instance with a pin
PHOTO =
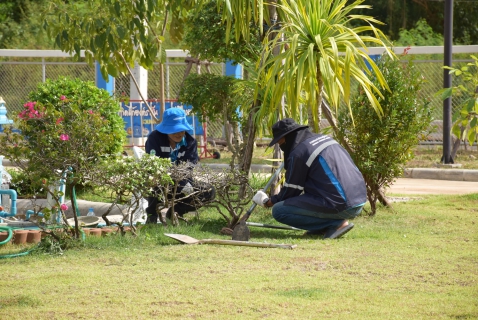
x=429, y=156
x=415, y=262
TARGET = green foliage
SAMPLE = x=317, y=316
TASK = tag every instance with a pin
x=381, y=146
x=465, y=120
x=87, y=97
x=403, y=15
x=205, y=37
x=312, y=35
x=210, y=95
x=23, y=185
x=421, y=35
x=216, y=98
x=127, y=177
x=20, y=25
x=116, y=34
x=63, y=134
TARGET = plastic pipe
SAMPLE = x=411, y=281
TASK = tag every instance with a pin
x=13, y=199
x=29, y=213
x=60, y=187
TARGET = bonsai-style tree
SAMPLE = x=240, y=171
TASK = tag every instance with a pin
x=228, y=202
x=126, y=182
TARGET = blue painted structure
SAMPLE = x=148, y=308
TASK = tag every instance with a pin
x=3, y=115
x=375, y=58
x=108, y=84
x=233, y=70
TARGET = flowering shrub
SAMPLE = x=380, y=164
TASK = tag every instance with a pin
x=66, y=127
x=88, y=98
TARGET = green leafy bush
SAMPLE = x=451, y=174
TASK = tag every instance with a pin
x=383, y=145
x=87, y=97
x=22, y=184
x=65, y=130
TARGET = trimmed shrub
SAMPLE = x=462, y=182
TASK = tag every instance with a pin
x=383, y=145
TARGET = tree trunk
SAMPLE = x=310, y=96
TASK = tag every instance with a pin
x=390, y=17
x=161, y=70
x=249, y=141
x=248, y=148
x=404, y=15
x=138, y=88
x=320, y=85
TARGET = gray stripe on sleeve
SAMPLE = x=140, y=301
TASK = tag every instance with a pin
x=319, y=150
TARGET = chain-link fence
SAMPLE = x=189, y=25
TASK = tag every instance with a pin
x=20, y=75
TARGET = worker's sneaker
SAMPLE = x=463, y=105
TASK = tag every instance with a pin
x=337, y=233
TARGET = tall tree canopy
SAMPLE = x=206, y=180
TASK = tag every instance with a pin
x=403, y=15
x=20, y=25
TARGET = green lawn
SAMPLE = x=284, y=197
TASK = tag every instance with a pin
x=418, y=261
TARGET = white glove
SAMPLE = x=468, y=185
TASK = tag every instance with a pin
x=188, y=189
x=260, y=197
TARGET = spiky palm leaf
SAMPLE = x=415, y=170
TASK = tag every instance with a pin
x=321, y=54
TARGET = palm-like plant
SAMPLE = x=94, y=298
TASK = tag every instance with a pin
x=321, y=55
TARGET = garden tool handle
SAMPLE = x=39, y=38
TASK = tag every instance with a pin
x=253, y=206
x=247, y=243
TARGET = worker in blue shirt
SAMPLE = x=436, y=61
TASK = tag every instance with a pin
x=170, y=139
x=323, y=188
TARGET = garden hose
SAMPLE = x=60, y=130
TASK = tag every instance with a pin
x=73, y=195
x=9, y=237
x=74, y=202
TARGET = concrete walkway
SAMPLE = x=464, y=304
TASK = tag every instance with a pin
x=432, y=186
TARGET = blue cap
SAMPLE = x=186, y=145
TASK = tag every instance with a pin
x=174, y=120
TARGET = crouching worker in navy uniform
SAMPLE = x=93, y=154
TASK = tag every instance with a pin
x=323, y=188
x=170, y=139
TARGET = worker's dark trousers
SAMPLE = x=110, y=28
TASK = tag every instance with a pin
x=203, y=193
